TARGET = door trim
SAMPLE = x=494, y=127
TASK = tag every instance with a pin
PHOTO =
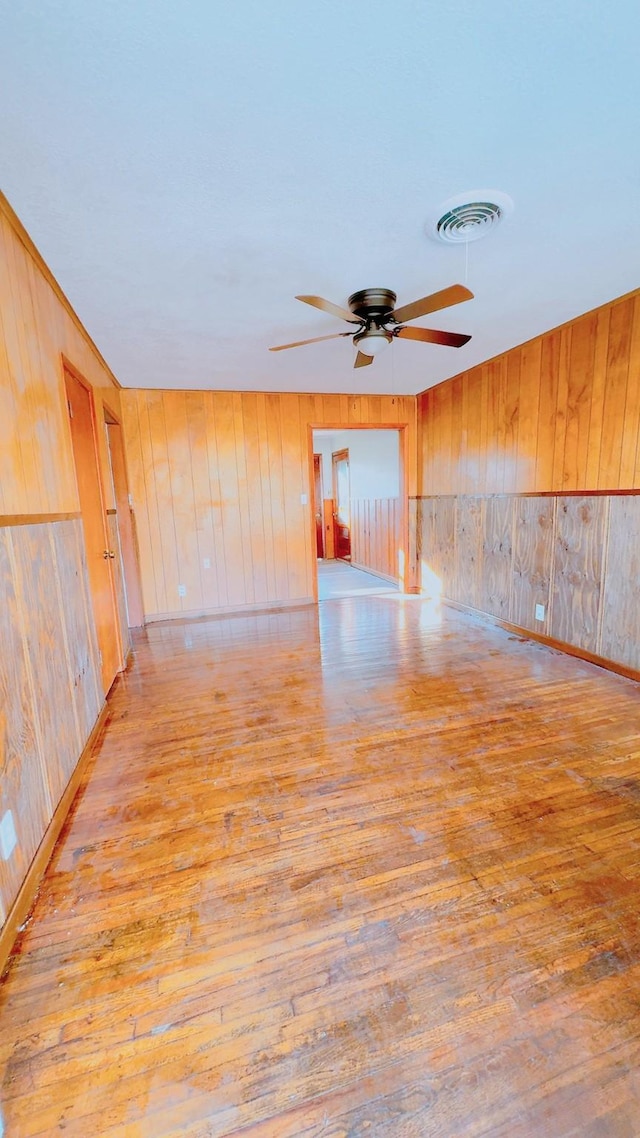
x=71, y=373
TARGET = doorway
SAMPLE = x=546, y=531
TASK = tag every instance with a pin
x=99, y=554
x=364, y=469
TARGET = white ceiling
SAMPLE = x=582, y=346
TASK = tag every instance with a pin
x=187, y=168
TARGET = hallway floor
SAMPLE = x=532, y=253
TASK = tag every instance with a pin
x=338, y=579
x=354, y=869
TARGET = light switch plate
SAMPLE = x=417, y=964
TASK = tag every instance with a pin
x=539, y=612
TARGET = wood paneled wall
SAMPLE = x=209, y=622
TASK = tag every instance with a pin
x=37, y=329
x=375, y=535
x=48, y=654
x=49, y=680
x=557, y=416
x=559, y=413
x=577, y=555
x=219, y=481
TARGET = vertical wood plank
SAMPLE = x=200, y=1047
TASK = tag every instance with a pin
x=597, y=398
x=443, y=555
x=469, y=550
x=529, y=406
x=631, y=422
x=495, y=586
x=22, y=770
x=46, y=647
x=615, y=394
x=579, y=388
x=577, y=577
x=511, y=419
x=215, y=498
x=557, y=481
x=548, y=411
x=180, y=509
x=532, y=561
x=620, y=634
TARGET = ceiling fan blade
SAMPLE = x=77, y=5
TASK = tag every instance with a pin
x=330, y=307
x=362, y=360
x=455, y=294
x=315, y=340
x=433, y=336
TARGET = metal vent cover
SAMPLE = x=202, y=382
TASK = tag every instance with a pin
x=468, y=217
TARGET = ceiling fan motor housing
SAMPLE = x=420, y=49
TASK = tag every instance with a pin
x=376, y=303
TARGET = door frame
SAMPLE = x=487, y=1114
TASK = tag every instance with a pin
x=403, y=457
x=125, y=518
x=318, y=503
x=76, y=376
x=337, y=456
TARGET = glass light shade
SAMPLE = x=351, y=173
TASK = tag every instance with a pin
x=372, y=343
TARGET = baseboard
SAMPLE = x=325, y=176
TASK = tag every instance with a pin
x=550, y=641
x=374, y=572
x=229, y=610
x=28, y=890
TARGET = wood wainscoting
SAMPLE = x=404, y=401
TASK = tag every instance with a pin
x=50, y=688
x=577, y=555
x=375, y=536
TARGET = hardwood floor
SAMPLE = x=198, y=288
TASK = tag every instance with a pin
x=337, y=579
x=376, y=875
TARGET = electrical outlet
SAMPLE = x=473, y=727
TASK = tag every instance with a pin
x=182, y=590
x=207, y=562
x=8, y=836
x=539, y=612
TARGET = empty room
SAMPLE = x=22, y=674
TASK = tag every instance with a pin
x=319, y=570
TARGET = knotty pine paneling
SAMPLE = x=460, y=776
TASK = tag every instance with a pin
x=467, y=579
x=494, y=592
x=49, y=679
x=375, y=532
x=559, y=413
x=577, y=555
x=218, y=480
x=620, y=634
x=23, y=788
x=440, y=558
x=533, y=526
x=577, y=572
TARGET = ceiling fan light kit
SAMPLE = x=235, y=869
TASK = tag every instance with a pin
x=379, y=322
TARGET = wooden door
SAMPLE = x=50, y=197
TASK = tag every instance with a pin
x=341, y=498
x=100, y=556
x=317, y=504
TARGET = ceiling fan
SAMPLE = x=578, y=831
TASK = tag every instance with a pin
x=379, y=321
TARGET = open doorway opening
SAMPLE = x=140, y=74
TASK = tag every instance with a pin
x=361, y=473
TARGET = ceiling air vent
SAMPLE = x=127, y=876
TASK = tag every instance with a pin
x=468, y=217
